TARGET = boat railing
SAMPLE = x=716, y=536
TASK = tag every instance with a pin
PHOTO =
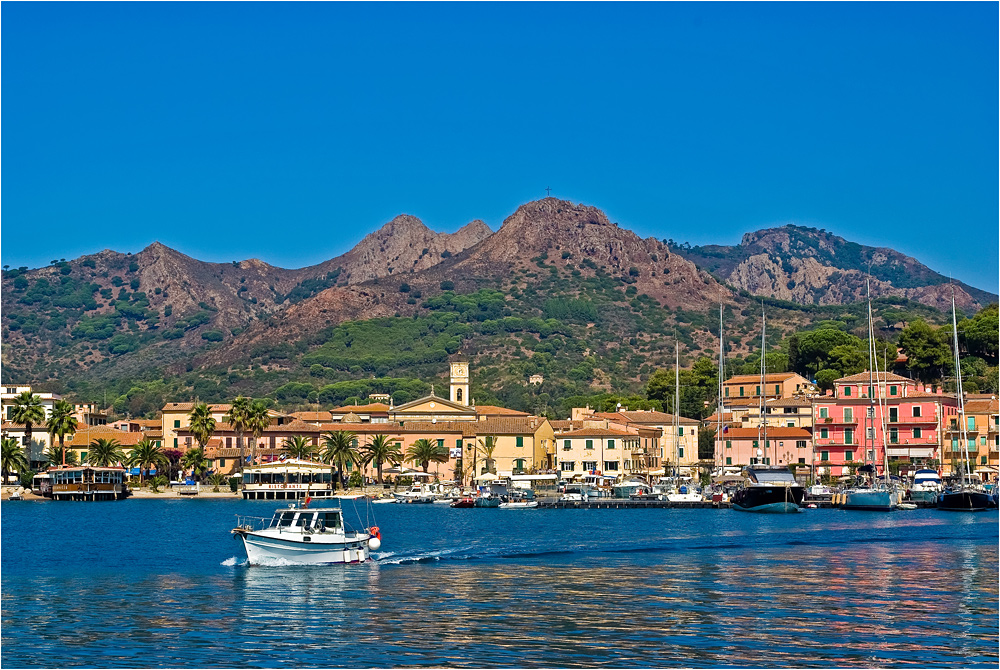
x=252, y=522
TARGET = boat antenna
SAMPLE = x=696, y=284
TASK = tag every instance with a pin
x=958, y=391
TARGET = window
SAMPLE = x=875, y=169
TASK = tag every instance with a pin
x=824, y=455
x=893, y=436
x=611, y=444
x=567, y=466
x=790, y=424
x=458, y=395
x=187, y=441
x=519, y=441
x=229, y=442
x=982, y=460
x=729, y=444
x=590, y=465
x=83, y=456
x=177, y=423
x=847, y=391
x=354, y=443
x=756, y=390
x=611, y=466
x=680, y=431
x=824, y=412
x=756, y=444
x=800, y=444
x=441, y=443
x=271, y=442
x=916, y=411
x=917, y=433
x=519, y=464
x=848, y=436
x=893, y=414
x=458, y=443
x=982, y=441
x=175, y=443
x=680, y=452
x=971, y=421
x=727, y=391
x=848, y=455
x=729, y=460
x=590, y=445
x=741, y=391
x=566, y=446
x=848, y=415
x=802, y=460
x=222, y=462
x=777, y=389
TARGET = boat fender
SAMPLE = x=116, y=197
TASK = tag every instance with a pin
x=375, y=541
x=375, y=532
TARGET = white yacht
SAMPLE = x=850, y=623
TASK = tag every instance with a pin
x=418, y=493
x=305, y=536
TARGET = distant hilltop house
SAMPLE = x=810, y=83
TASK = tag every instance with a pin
x=535, y=380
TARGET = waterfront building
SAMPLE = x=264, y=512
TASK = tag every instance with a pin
x=846, y=421
x=598, y=449
x=745, y=389
x=793, y=412
x=658, y=437
x=982, y=419
x=85, y=436
x=739, y=447
x=39, y=438
x=176, y=416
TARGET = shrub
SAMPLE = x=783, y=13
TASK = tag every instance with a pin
x=404, y=288
x=447, y=285
x=212, y=335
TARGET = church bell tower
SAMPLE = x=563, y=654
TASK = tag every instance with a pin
x=460, y=382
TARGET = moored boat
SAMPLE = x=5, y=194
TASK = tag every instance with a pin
x=926, y=486
x=768, y=489
x=301, y=535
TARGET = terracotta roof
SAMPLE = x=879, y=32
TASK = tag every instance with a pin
x=750, y=379
x=714, y=418
x=772, y=433
x=466, y=428
x=982, y=406
x=520, y=425
x=565, y=424
x=923, y=394
x=83, y=438
x=644, y=416
x=373, y=408
x=188, y=406
x=313, y=416
x=596, y=432
x=368, y=428
x=881, y=376
x=789, y=402
x=291, y=427
x=493, y=410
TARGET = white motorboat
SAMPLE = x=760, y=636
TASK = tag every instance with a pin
x=383, y=501
x=418, y=493
x=520, y=504
x=306, y=536
x=926, y=486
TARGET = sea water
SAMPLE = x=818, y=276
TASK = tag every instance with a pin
x=162, y=583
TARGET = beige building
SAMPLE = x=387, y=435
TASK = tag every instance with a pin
x=176, y=416
x=781, y=413
x=596, y=449
x=742, y=389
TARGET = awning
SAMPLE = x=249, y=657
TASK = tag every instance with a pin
x=487, y=477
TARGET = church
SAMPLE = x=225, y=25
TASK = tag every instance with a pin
x=458, y=406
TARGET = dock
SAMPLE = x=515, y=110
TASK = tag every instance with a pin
x=625, y=503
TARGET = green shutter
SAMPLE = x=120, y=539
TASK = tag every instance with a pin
x=519, y=441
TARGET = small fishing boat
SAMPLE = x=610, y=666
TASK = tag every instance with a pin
x=464, y=503
x=300, y=535
x=518, y=499
x=418, y=493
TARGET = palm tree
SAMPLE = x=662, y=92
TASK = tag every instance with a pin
x=489, y=445
x=61, y=423
x=380, y=451
x=196, y=461
x=11, y=458
x=237, y=418
x=104, y=452
x=258, y=419
x=27, y=409
x=338, y=450
x=202, y=424
x=59, y=455
x=298, y=446
x=147, y=455
x=423, y=451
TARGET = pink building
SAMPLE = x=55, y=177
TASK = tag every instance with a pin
x=781, y=446
x=846, y=424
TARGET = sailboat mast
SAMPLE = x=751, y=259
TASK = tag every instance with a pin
x=677, y=405
x=883, y=401
x=958, y=390
x=869, y=440
x=722, y=403
x=763, y=380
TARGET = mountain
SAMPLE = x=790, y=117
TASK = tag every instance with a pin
x=813, y=266
x=159, y=304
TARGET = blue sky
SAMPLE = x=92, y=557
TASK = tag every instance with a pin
x=288, y=131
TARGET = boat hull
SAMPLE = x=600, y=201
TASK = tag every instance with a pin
x=928, y=496
x=873, y=500
x=264, y=550
x=964, y=501
x=769, y=499
x=487, y=502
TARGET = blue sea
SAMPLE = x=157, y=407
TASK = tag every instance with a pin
x=161, y=583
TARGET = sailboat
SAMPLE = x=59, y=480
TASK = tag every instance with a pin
x=875, y=494
x=678, y=490
x=965, y=497
x=766, y=487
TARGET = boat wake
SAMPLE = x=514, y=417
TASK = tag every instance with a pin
x=233, y=561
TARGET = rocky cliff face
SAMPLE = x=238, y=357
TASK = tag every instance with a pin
x=811, y=266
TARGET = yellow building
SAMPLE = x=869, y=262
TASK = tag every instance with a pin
x=177, y=415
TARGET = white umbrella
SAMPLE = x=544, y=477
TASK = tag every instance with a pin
x=415, y=473
x=487, y=477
